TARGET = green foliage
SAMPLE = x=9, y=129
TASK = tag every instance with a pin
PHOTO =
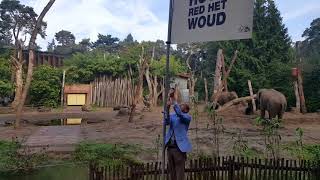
x=45, y=87
x=18, y=18
x=107, y=43
x=272, y=137
x=309, y=52
x=307, y=152
x=84, y=67
x=216, y=123
x=6, y=87
x=14, y=157
x=311, y=89
x=106, y=154
x=65, y=38
x=159, y=67
x=241, y=148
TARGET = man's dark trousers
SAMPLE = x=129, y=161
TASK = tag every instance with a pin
x=176, y=163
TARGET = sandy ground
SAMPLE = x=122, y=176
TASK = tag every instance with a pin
x=145, y=131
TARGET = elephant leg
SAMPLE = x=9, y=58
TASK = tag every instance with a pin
x=272, y=115
x=263, y=113
x=280, y=115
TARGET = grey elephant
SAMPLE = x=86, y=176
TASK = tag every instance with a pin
x=226, y=97
x=272, y=101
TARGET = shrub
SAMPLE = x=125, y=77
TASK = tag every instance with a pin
x=106, y=154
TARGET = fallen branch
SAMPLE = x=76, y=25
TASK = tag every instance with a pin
x=235, y=102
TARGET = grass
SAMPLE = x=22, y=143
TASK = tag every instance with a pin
x=107, y=154
x=14, y=157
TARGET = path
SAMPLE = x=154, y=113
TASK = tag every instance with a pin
x=54, y=139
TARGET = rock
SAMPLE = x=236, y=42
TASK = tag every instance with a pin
x=123, y=112
x=117, y=108
x=86, y=108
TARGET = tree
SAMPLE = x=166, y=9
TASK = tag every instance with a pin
x=309, y=53
x=66, y=42
x=51, y=46
x=107, y=43
x=19, y=21
x=192, y=53
x=37, y=26
x=129, y=39
x=65, y=38
x=85, y=45
x=46, y=86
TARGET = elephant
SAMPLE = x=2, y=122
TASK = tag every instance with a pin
x=226, y=97
x=272, y=101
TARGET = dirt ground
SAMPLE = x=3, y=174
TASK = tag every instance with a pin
x=145, y=131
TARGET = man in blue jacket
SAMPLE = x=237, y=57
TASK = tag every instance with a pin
x=177, y=141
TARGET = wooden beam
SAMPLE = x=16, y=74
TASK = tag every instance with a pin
x=254, y=107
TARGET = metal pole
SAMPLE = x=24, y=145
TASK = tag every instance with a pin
x=167, y=88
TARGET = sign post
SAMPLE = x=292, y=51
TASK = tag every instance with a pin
x=167, y=88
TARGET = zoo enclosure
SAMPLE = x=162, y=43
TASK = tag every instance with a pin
x=108, y=92
x=221, y=168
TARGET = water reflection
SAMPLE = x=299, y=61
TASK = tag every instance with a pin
x=70, y=172
x=65, y=122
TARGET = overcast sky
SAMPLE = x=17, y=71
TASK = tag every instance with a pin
x=145, y=19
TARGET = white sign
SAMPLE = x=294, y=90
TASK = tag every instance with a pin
x=211, y=20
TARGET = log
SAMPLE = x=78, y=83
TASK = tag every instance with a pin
x=235, y=102
x=254, y=107
x=206, y=90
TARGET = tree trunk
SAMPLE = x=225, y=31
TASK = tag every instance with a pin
x=206, y=90
x=18, y=85
x=155, y=90
x=217, y=74
x=301, y=93
x=148, y=79
x=192, y=83
x=138, y=95
x=225, y=81
x=32, y=46
x=220, y=87
x=296, y=92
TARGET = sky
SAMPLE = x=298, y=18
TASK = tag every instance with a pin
x=144, y=19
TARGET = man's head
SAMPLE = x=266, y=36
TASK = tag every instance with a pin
x=185, y=108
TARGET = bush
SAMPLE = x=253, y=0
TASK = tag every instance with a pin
x=307, y=152
x=15, y=158
x=45, y=87
x=106, y=154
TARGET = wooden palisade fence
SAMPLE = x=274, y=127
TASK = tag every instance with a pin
x=108, y=92
x=224, y=168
